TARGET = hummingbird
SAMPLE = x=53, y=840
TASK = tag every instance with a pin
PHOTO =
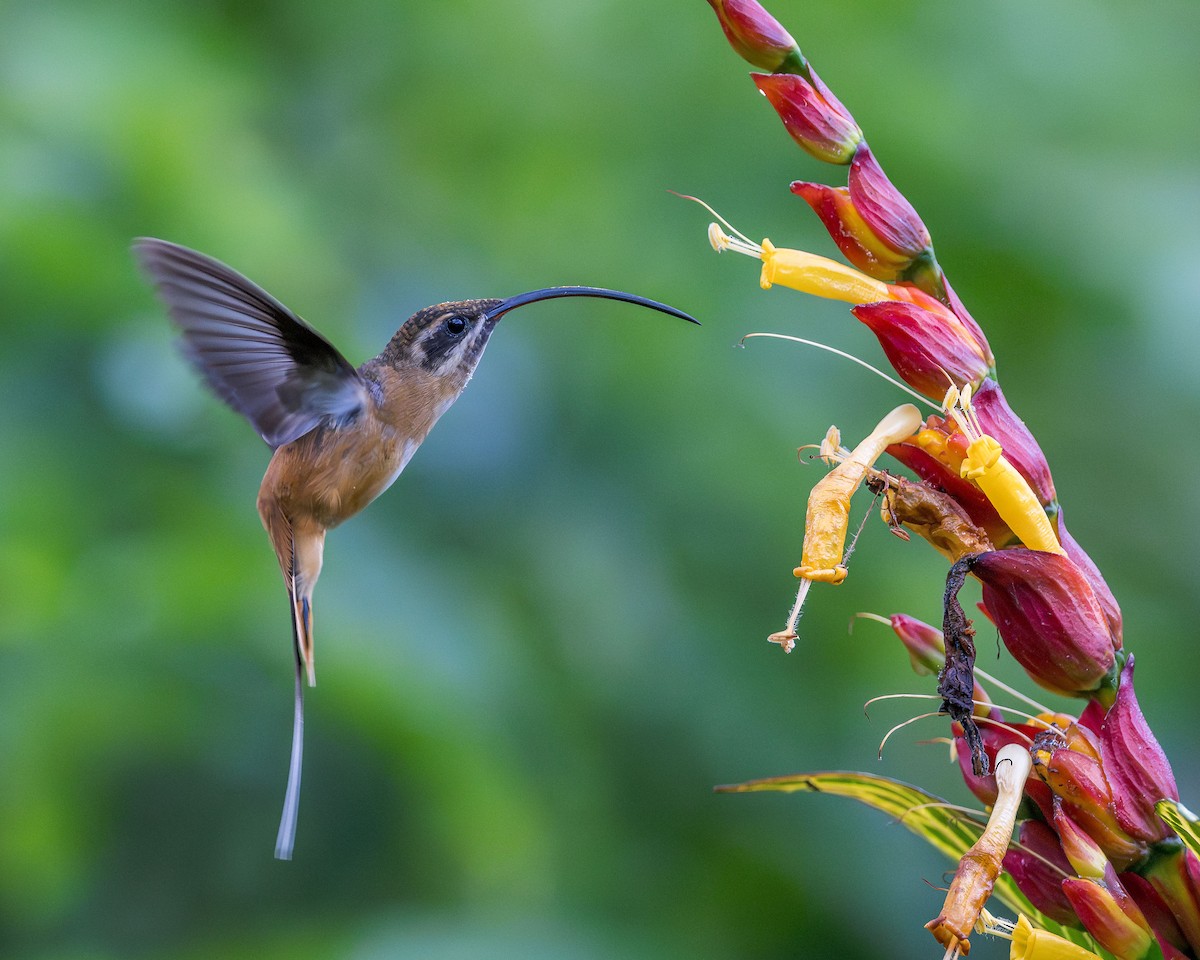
x=341, y=435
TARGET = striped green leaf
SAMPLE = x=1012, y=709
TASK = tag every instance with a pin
x=1180, y=819
x=949, y=829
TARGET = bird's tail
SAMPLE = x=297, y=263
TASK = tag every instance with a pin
x=285, y=841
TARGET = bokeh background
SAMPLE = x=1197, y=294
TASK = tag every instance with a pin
x=542, y=648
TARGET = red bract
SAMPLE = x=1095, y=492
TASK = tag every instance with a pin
x=757, y=36
x=1134, y=764
x=884, y=209
x=870, y=221
x=854, y=238
x=924, y=642
x=1111, y=916
x=815, y=119
x=1083, y=815
x=924, y=345
x=1020, y=448
x=1048, y=618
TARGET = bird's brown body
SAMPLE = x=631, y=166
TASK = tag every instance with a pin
x=326, y=476
x=341, y=435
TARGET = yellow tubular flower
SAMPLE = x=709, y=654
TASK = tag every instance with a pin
x=1010, y=494
x=1029, y=943
x=809, y=273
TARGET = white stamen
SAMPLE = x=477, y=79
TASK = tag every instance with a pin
x=900, y=726
x=721, y=241
x=994, y=926
x=729, y=226
x=848, y=356
x=794, y=616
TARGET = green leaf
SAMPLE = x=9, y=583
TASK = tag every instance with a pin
x=1180, y=819
x=951, y=830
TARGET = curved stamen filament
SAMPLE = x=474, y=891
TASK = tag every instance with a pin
x=1001, y=725
x=900, y=726
x=848, y=356
x=732, y=229
x=990, y=721
x=979, y=671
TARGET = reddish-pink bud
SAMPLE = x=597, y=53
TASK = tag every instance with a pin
x=884, y=209
x=1039, y=866
x=873, y=225
x=1136, y=767
x=1086, y=808
x=754, y=34
x=853, y=237
x=1020, y=448
x=1174, y=872
x=1108, y=603
x=1112, y=918
x=924, y=345
x=818, y=123
x=1081, y=851
x=1048, y=618
x=924, y=643
x=927, y=652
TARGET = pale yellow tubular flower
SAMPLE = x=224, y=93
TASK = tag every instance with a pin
x=828, y=515
x=979, y=867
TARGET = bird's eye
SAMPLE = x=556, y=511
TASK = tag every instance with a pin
x=455, y=326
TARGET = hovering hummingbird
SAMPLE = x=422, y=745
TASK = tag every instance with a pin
x=341, y=435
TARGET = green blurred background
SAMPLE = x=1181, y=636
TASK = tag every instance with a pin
x=540, y=650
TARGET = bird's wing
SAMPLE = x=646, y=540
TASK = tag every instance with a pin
x=258, y=356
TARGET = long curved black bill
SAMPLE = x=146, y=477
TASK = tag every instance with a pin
x=549, y=293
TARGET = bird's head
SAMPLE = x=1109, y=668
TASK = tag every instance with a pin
x=448, y=339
